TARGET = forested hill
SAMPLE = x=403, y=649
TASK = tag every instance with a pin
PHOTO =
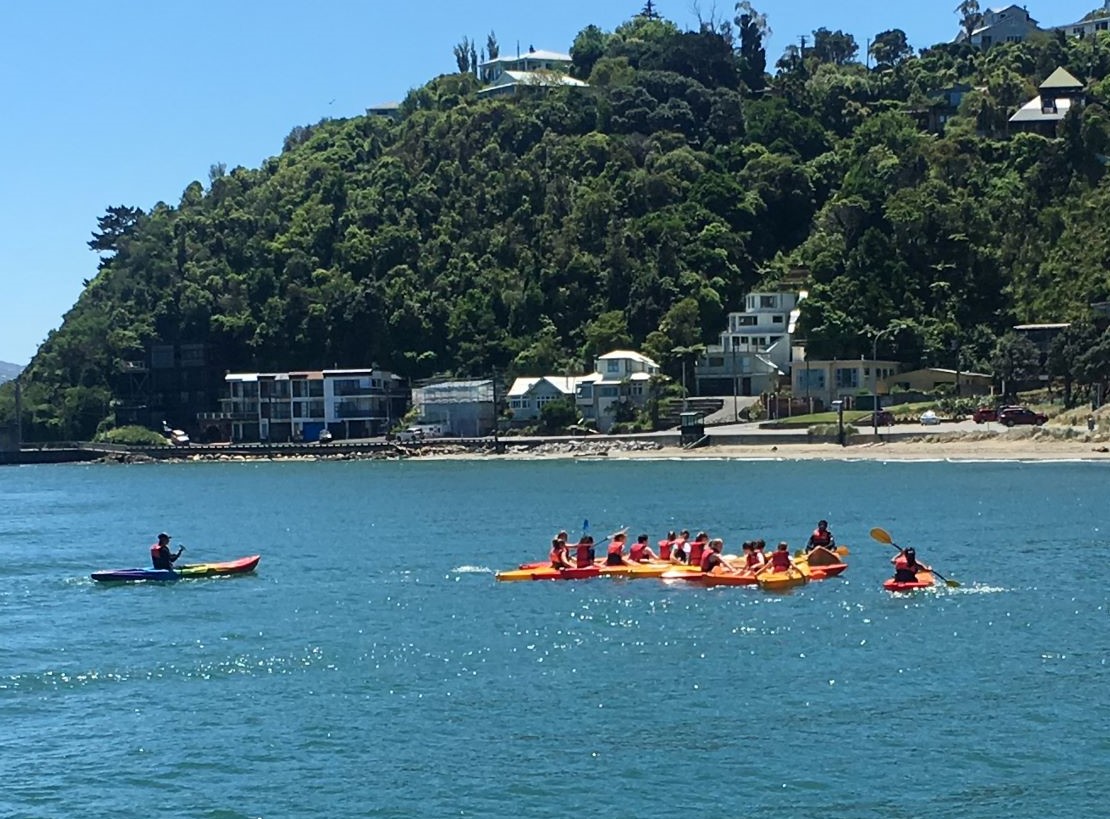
x=528, y=234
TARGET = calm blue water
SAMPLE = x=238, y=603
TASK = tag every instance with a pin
x=373, y=667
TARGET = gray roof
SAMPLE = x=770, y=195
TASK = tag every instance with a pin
x=1059, y=80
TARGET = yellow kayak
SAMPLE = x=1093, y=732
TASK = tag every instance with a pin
x=781, y=581
x=652, y=569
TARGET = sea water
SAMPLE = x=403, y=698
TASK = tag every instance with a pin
x=372, y=666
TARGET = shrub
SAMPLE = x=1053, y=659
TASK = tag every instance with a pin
x=132, y=436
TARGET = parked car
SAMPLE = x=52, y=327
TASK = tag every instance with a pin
x=929, y=418
x=984, y=414
x=882, y=418
x=178, y=437
x=1012, y=416
x=325, y=436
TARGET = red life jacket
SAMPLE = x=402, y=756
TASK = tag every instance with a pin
x=665, y=549
x=707, y=561
x=819, y=538
x=584, y=555
x=751, y=560
x=636, y=553
x=616, y=547
x=555, y=556
x=697, y=549
x=780, y=561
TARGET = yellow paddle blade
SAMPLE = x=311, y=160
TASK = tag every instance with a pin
x=842, y=551
x=882, y=535
x=952, y=584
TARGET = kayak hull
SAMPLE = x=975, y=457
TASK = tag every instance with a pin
x=823, y=563
x=190, y=571
x=657, y=569
x=548, y=573
x=924, y=581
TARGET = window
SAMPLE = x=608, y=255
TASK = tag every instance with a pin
x=768, y=302
x=612, y=366
x=743, y=339
x=637, y=389
x=847, y=378
x=1102, y=26
x=608, y=392
x=777, y=319
x=811, y=379
x=745, y=321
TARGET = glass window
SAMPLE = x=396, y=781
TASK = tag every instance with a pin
x=768, y=302
x=847, y=378
x=811, y=379
x=716, y=361
x=612, y=366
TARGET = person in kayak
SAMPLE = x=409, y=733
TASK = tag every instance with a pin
x=712, y=558
x=640, y=552
x=558, y=555
x=584, y=552
x=780, y=560
x=906, y=566
x=697, y=549
x=666, y=546
x=821, y=537
x=753, y=557
x=680, y=553
x=160, y=554
x=615, y=553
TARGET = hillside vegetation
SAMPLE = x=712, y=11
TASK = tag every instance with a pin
x=527, y=235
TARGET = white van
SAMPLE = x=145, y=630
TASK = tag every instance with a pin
x=419, y=432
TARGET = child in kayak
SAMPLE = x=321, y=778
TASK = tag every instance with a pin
x=780, y=560
x=712, y=557
x=559, y=557
x=906, y=566
x=698, y=547
x=753, y=557
x=680, y=554
x=640, y=551
x=584, y=552
x=666, y=547
x=615, y=553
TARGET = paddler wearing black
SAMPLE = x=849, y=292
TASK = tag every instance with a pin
x=160, y=555
x=821, y=537
x=906, y=566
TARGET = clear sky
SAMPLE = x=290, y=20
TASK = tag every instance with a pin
x=127, y=102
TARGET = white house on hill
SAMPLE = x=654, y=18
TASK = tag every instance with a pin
x=754, y=350
x=528, y=396
x=535, y=69
x=1005, y=24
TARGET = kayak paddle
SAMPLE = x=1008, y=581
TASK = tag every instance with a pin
x=883, y=536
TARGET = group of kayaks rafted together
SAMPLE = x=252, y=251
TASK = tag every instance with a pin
x=701, y=559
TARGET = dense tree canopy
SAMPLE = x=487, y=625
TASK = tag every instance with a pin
x=529, y=234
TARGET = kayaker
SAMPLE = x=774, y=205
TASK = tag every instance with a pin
x=821, y=537
x=640, y=552
x=615, y=553
x=753, y=557
x=160, y=554
x=906, y=566
x=712, y=557
x=780, y=560
x=584, y=552
x=680, y=553
x=558, y=556
x=697, y=548
x=666, y=546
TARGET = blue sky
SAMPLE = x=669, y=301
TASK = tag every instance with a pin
x=127, y=102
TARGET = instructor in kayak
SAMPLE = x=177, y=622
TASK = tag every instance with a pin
x=906, y=566
x=160, y=554
x=821, y=537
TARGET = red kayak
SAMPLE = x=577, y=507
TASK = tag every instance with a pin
x=924, y=581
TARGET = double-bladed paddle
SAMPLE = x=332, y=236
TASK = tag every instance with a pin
x=883, y=536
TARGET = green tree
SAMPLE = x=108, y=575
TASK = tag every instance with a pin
x=970, y=18
x=834, y=47
x=1015, y=359
x=752, y=29
x=558, y=414
x=890, y=49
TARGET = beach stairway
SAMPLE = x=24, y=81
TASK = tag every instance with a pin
x=669, y=413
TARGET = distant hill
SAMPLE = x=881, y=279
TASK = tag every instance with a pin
x=9, y=371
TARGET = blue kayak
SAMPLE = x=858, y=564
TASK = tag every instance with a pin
x=189, y=571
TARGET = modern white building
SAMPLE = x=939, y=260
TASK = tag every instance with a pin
x=755, y=349
x=1090, y=26
x=298, y=406
x=1005, y=24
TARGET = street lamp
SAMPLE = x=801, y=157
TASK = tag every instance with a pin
x=875, y=377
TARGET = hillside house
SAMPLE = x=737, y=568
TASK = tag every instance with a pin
x=1006, y=24
x=1095, y=22
x=619, y=377
x=839, y=379
x=1058, y=94
x=507, y=76
x=755, y=350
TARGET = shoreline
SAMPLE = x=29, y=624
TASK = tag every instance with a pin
x=1025, y=445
